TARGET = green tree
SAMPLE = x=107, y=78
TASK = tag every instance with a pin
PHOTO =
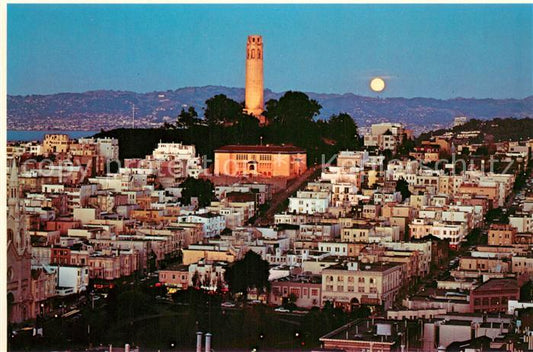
x=248, y=273
x=526, y=292
x=343, y=129
x=292, y=298
x=247, y=126
x=199, y=188
x=196, y=280
x=497, y=215
x=406, y=146
x=402, y=186
x=222, y=110
x=292, y=121
x=292, y=108
x=187, y=118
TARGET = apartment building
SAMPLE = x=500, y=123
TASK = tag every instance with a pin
x=308, y=202
x=354, y=283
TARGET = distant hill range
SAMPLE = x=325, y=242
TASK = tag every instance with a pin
x=494, y=130
x=113, y=109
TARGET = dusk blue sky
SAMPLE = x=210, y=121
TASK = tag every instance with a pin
x=440, y=51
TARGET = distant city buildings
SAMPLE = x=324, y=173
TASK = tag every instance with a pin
x=459, y=121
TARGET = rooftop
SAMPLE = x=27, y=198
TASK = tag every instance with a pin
x=283, y=149
x=364, y=266
x=498, y=284
x=378, y=330
x=311, y=279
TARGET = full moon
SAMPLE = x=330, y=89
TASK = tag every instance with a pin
x=377, y=84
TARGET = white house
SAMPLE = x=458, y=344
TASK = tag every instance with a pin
x=213, y=224
x=307, y=202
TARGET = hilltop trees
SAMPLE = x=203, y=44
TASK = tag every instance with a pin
x=292, y=120
x=187, y=118
x=343, y=129
x=222, y=110
x=292, y=108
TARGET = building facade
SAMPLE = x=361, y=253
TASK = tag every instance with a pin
x=494, y=295
x=353, y=283
x=260, y=161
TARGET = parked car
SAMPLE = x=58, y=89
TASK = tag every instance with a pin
x=227, y=305
x=281, y=310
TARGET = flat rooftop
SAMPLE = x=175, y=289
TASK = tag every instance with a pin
x=265, y=149
x=379, y=330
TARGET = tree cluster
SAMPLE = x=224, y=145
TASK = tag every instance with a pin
x=291, y=120
x=402, y=186
x=201, y=189
x=251, y=272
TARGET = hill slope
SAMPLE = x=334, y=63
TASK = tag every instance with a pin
x=112, y=109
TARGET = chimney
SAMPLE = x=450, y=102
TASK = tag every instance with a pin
x=208, y=342
x=198, y=341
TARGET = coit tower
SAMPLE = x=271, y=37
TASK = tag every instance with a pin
x=253, y=101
